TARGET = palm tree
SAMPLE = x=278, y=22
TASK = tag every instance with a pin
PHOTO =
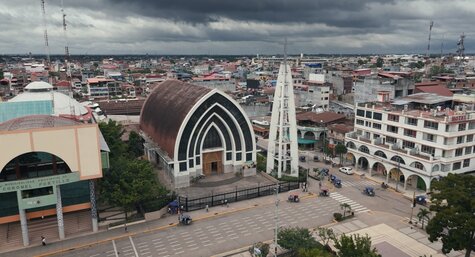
x=346, y=208
x=422, y=214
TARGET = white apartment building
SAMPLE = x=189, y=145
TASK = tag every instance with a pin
x=419, y=133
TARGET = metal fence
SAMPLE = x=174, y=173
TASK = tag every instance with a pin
x=234, y=196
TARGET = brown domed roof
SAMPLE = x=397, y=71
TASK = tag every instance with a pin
x=165, y=109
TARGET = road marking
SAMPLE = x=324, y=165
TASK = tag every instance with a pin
x=133, y=246
x=115, y=248
x=234, y=238
x=142, y=246
x=94, y=255
x=156, y=239
x=180, y=252
x=207, y=244
x=191, y=245
x=194, y=248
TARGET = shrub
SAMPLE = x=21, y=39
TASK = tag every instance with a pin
x=338, y=216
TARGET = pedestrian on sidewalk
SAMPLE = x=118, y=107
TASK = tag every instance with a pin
x=43, y=240
x=226, y=202
x=207, y=208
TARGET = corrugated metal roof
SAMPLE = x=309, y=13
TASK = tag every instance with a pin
x=166, y=108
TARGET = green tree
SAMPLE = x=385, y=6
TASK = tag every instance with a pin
x=340, y=149
x=346, y=208
x=312, y=252
x=135, y=144
x=112, y=132
x=129, y=183
x=296, y=238
x=355, y=246
x=326, y=234
x=327, y=150
x=261, y=162
x=422, y=215
x=453, y=202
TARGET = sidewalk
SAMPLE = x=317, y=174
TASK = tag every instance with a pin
x=407, y=193
x=90, y=239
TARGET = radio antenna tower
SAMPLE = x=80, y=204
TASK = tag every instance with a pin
x=66, y=47
x=43, y=12
x=428, y=44
x=461, y=47
x=282, y=148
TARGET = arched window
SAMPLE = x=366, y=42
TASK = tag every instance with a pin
x=364, y=149
x=351, y=145
x=398, y=159
x=380, y=154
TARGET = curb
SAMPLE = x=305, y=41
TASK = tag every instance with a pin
x=72, y=248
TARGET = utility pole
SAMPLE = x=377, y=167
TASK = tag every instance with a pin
x=276, y=217
x=413, y=204
x=45, y=31
x=398, y=172
x=428, y=44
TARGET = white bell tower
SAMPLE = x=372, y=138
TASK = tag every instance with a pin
x=282, y=151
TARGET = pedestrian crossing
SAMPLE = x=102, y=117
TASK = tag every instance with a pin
x=355, y=207
x=361, y=183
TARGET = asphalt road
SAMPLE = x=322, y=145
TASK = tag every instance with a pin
x=224, y=233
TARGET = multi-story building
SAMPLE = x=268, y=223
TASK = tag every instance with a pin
x=100, y=87
x=398, y=85
x=414, y=139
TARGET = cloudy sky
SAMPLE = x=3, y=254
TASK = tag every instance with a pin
x=237, y=27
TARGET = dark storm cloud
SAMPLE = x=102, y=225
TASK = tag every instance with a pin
x=339, y=13
x=239, y=26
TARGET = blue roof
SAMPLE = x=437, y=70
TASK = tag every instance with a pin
x=12, y=110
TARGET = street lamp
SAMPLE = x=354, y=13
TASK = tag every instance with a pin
x=276, y=217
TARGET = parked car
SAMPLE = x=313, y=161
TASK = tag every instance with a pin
x=346, y=170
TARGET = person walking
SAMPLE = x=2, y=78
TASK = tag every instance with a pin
x=43, y=240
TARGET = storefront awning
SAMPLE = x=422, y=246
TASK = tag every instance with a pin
x=304, y=141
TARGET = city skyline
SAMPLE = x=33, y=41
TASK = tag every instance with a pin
x=237, y=28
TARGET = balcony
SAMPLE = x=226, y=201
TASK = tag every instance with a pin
x=352, y=135
x=364, y=139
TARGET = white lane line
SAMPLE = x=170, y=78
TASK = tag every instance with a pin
x=115, y=248
x=142, y=246
x=142, y=243
x=133, y=246
x=207, y=244
x=233, y=238
x=194, y=248
x=156, y=239
x=94, y=255
x=180, y=252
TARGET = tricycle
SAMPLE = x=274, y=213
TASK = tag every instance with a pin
x=293, y=198
x=337, y=183
x=184, y=219
x=324, y=192
x=368, y=191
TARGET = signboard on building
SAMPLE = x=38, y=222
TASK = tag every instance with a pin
x=25, y=184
